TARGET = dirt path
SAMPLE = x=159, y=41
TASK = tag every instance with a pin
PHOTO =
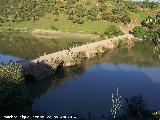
x=126, y=28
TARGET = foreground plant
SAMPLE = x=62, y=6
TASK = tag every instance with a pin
x=14, y=96
x=116, y=103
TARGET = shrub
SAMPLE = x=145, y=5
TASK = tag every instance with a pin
x=116, y=11
x=132, y=8
x=70, y=17
x=54, y=27
x=111, y=17
x=152, y=23
x=120, y=43
x=13, y=93
x=113, y=31
x=79, y=57
x=102, y=36
x=11, y=71
x=1, y=20
x=126, y=19
x=138, y=31
x=78, y=21
x=141, y=32
x=56, y=19
x=157, y=114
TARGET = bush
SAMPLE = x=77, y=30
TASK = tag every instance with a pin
x=78, y=21
x=126, y=19
x=79, y=57
x=152, y=23
x=113, y=31
x=120, y=43
x=13, y=93
x=1, y=20
x=157, y=114
x=56, y=19
x=70, y=18
x=111, y=17
x=54, y=27
x=139, y=31
x=102, y=36
x=11, y=71
x=132, y=8
x=116, y=11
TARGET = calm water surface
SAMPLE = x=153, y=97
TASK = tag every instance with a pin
x=8, y=58
x=88, y=87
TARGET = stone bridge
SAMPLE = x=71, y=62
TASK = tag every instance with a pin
x=48, y=64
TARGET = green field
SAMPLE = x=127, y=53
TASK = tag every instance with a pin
x=74, y=15
x=48, y=21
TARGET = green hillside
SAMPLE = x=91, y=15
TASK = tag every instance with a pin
x=73, y=15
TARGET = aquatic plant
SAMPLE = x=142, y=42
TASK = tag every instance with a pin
x=116, y=103
x=157, y=114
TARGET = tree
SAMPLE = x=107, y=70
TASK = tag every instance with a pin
x=126, y=19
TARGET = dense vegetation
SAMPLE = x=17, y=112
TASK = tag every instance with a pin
x=23, y=10
x=64, y=12
x=149, y=29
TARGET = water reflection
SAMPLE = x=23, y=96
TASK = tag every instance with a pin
x=7, y=58
x=25, y=45
x=88, y=87
x=91, y=91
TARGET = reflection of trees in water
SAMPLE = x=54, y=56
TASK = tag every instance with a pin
x=20, y=45
x=140, y=54
x=157, y=50
x=27, y=46
x=134, y=108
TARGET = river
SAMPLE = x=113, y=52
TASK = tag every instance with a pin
x=88, y=88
